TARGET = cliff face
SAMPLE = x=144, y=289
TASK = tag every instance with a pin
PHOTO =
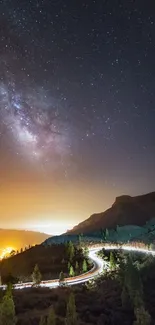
x=126, y=210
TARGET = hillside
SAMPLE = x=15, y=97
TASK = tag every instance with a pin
x=20, y=238
x=21, y=265
x=50, y=259
x=126, y=210
x=97, y=302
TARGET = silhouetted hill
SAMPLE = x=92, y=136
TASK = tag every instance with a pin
x=20, y=238
x=50, y=259
x=126, y=210
x=21, y=265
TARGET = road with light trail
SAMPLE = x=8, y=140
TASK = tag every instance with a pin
x=98, y=266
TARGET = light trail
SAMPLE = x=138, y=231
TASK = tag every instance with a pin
x=97, y=269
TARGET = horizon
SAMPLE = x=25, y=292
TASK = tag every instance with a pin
x=44, y=228
x=41, y=228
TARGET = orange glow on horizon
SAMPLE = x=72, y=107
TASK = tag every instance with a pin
x=6, y=252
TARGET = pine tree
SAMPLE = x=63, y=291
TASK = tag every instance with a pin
x=84, y=266
x=71, y=271
x=9, y=290
x=71, y=315
x=61, y=278
x=43, y=320
x=36, y=275
x=12, y=253
x=77, y=267
x=79, y=240
x=85, y=251
x=117, y=229
x=7, y=311
x=112, y=261
x=106, y=234
x=133, y=283
x=103, y=234
x=142, y=317
x=71, y=251
x=69, y=265
x=51, y=319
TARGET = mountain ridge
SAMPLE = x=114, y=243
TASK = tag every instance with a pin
x=126, y=210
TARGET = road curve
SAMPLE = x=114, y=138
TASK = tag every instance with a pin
x=98, y=265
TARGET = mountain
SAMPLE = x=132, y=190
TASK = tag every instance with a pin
x=20, y=238
x=126, y=210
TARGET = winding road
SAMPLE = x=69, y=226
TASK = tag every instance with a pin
x=98, y=266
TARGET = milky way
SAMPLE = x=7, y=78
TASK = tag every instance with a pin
x=35, y=122
x=77, y=86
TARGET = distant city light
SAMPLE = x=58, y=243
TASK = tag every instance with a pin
x=55, y=228
x=5, y=252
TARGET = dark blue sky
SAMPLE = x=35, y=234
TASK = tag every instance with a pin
x=78, y=98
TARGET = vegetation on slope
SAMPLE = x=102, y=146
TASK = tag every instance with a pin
x=122, y=294
x=51, y=260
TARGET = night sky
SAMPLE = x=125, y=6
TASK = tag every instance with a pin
x=77, y=108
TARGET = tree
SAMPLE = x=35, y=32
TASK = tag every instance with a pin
x=69, y=265
x=21, y=250
x=133, y=283
x=84, y=266
x=36, y=275
x=7, y=311
x=71, y=315
x=61, y=278
x=71, y=251
x=0, y=280
x=142, y=317
x=103, y=236
x=12, y=253
x=9, y=290
x=117, y=229
x=106, y=234
x=71, y=271
x=85, y=251
x=43, y=320
x=79, y=240
x=51, y=319
x=80, y=237
x=112, y=261
x=76, y=267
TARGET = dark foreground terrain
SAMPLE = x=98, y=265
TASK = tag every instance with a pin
x=123, y=295
x=51, y=260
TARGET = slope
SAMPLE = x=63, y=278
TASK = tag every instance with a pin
x=126, y=210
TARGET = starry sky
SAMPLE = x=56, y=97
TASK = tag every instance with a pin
x=77, y=108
